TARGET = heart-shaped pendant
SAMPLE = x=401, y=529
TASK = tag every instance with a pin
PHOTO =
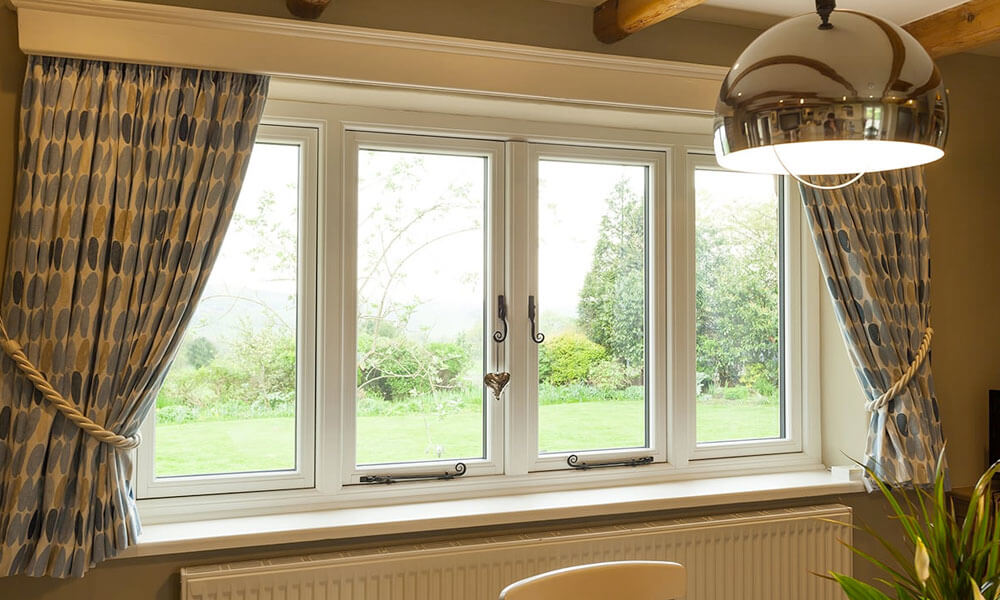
x=497, y=382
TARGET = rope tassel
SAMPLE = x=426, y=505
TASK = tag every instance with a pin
x=68, y=410
x=918, y=360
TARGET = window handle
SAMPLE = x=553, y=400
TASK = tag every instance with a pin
x=500, y=336
x=574, y=461
x=536, y=336
x=447, y=475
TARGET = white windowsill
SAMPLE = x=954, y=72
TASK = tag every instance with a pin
x=244, y=532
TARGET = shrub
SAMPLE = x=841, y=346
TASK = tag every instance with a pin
x=568, y=358
x=182, y=387
x=450, y=360
x=264, y=360
x=704, y=382
x=762, y=378
x=736, y=393
x=609, y=374
x=466, y=399
x=176, y=413
x=256, y=380
x=580, y=392
x=396, y=368
x=388, y=369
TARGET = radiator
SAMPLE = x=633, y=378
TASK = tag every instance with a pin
x=762, y=555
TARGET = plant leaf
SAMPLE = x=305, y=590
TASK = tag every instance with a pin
x=857, y=590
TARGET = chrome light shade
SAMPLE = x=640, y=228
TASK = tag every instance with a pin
x=860, y=96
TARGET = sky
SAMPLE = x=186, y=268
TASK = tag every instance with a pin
x=445, y=276
x=242, y=278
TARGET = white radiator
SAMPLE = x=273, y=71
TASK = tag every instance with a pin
x=763, y=555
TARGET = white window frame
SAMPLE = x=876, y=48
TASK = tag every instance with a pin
x=306, y=137
x=524, y=282
x=792, y=338
x=385, y=111
x=354, y=142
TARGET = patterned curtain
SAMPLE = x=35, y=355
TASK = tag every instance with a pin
x=873, y=248
x=127, y=180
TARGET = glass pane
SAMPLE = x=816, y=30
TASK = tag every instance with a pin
x=592, y=304
x=421, y=275
x=228, y=402
x=737, y=304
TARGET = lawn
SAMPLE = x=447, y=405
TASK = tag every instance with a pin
x=266, y=443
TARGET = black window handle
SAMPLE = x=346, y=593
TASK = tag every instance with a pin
x=536, y=336
x=499, y=336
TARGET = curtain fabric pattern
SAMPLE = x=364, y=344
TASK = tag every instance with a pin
x=873, y=247
x=127, y=180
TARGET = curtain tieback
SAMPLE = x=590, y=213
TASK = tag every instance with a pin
x=68, y=410
x=918, y=360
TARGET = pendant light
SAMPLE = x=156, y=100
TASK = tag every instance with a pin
x=846, y=93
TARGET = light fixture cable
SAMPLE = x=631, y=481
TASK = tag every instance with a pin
x=814, y=186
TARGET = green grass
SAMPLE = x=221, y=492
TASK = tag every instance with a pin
x=720, y=420
x=267, y=443
x=225, y=446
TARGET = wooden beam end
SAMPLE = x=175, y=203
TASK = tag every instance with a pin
x=606, y=25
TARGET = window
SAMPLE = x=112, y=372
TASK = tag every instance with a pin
x=428, y=234
x=597, y=394
x=235, y=408
x=738, y=298
x=595, y=310
x=747, y=347
x=646, y=305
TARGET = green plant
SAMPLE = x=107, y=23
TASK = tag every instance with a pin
x=568, y=358
x=952, y=558
x=609, y=374
x=762, y=378
x=612, y=306
x=199, y=352
x=736, y=393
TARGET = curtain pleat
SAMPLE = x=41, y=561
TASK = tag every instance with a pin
x=127, y=180
x=874, y=251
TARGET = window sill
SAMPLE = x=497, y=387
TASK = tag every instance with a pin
x=243, y=532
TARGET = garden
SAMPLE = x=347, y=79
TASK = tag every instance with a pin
x=228, y=403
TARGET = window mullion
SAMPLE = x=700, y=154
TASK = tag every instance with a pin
x=682, y=339
x=521, y=437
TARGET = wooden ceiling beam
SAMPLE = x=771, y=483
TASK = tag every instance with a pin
x=617, y=19
x=959, y=28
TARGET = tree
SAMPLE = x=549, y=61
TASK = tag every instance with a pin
x=612, y=307
x=199, y=352
x=736, y=297
x=393, y=363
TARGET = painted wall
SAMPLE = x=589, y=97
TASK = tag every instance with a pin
x=965, y=214
x=11, y=76
x=964, y=200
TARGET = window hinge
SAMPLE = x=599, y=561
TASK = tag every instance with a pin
x=574, y=461
x=459, y=471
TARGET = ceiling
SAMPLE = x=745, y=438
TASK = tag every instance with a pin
x=768, y=12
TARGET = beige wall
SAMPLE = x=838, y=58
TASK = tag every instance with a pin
x=964, y=216
x=11, y=75
x=964, y=203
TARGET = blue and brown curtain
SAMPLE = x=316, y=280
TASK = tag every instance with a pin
x=874, y=251
x=127, y=180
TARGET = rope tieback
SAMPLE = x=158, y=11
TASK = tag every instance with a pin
x=68, y=410
x=918, y=360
